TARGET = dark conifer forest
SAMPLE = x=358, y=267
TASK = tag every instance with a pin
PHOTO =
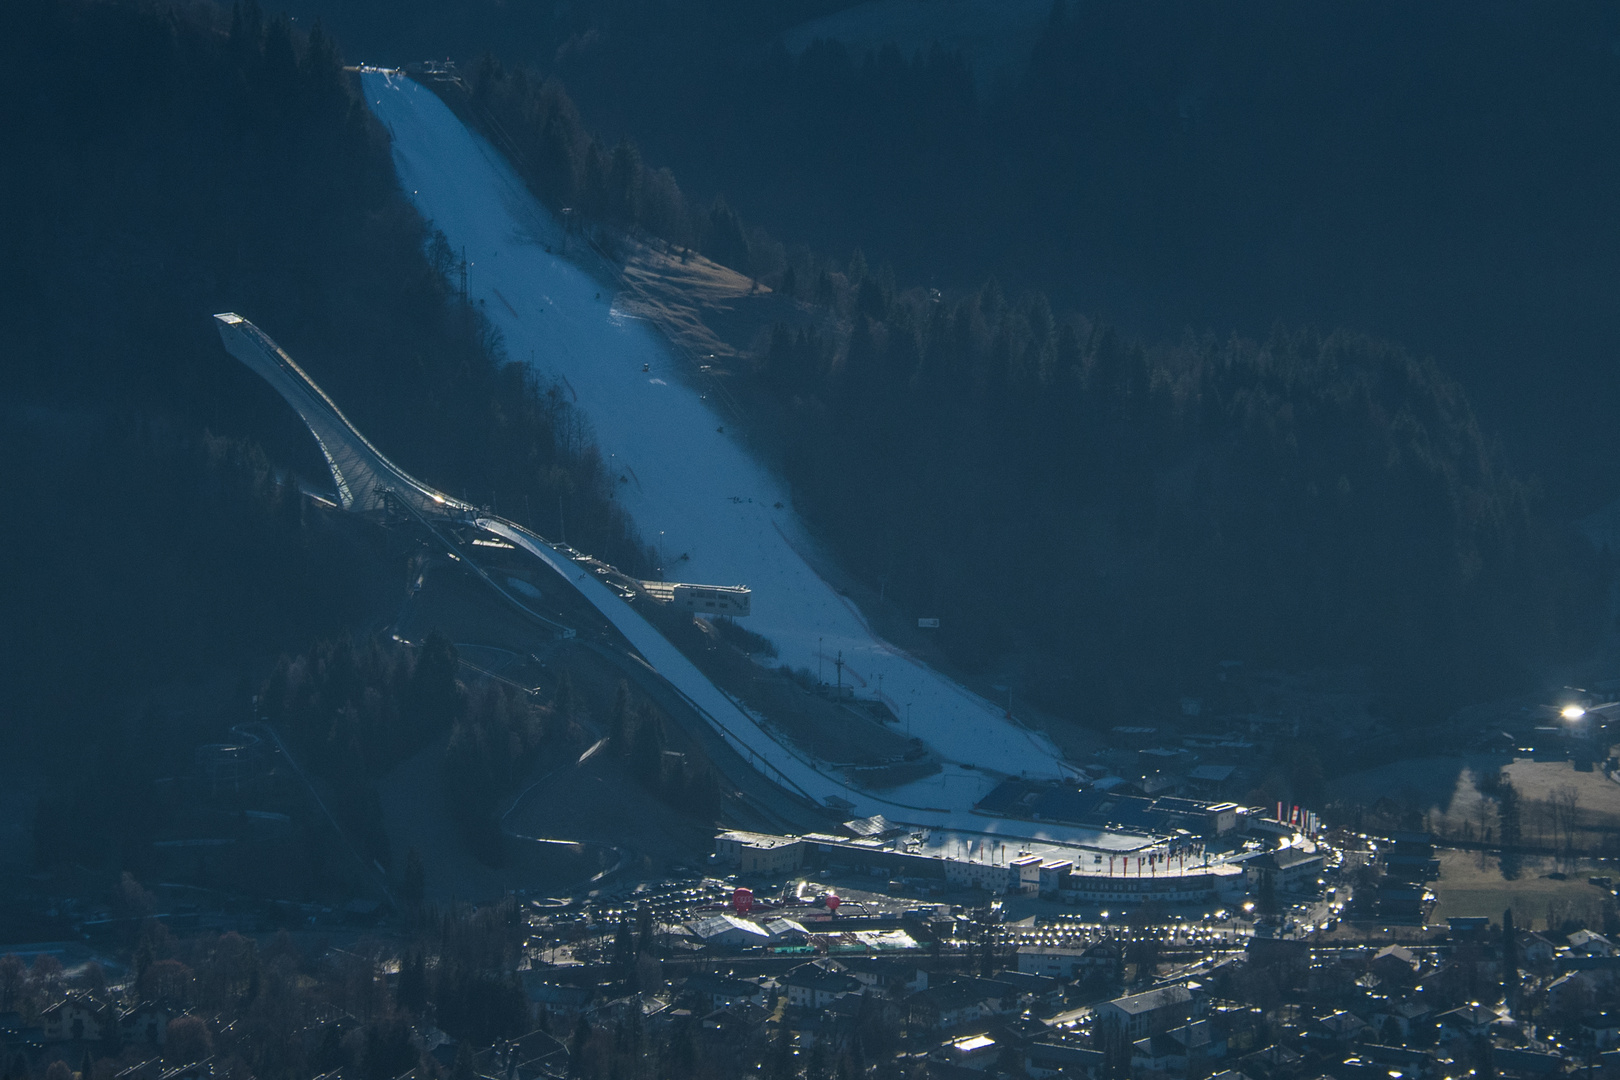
x=176, y=161
x=1132, y=517
x=1434, y=174
x=1104, y=511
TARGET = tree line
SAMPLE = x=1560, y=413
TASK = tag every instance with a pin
x=636, y=732
x=1133, y=514
x=272, y=1009
x=536, y=122
x=356, y=711
x=151, y=554
x=1432, y=175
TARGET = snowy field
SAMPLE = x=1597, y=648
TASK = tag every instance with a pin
x=695, y=490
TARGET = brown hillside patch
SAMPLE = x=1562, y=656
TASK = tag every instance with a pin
x=706, y=309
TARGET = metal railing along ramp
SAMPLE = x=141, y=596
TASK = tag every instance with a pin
x=365, y=478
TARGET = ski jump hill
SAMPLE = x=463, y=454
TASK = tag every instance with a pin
x=695, y=489
x=368, y=482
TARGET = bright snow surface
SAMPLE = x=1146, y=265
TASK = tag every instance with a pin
x=696, y=490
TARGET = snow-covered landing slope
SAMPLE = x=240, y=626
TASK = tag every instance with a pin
x=693, y=490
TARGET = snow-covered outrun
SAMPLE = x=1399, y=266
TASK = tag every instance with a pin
x=697, y=491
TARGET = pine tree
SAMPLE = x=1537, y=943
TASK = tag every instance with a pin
x=624, y=948
x=413, y=983
x=433, y=699
x=1510, y=961
x=644, y=927
x=646, y=746
x=1509, y=812
x=576, y=1049
x=413, y=882
x=817, y=1068
x=463, y=1067
x=778, y=1064
x=619, y=719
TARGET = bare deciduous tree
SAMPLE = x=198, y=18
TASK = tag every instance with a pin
x=1564, y=805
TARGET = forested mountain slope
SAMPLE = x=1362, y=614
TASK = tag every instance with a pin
x=1101, y=513
x=162, y=164
x=1131, y=516
x=1436, y=175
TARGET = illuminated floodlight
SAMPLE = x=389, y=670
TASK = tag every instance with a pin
x=1572, y=712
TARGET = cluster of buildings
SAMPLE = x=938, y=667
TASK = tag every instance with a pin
x=1474, y=1003
x=994, y=999
x=81, y=1023
x=1160, y=873
x=1097, y=862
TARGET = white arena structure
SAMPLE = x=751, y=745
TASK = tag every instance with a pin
x=1148, y=872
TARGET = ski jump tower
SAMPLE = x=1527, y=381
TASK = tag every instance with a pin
x=365, y=478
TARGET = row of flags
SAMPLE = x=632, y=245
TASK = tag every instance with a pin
x=1304, y=820
x=1150, y=863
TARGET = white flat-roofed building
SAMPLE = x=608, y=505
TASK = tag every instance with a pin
x=786, y=931
x=1141, y=1015
x=970, y=1051
x=992, y=877
x=728, y=932
x=1062, y=962
x=759, y=853
x=732, y=600
x=1024, y=874
x=818, y=984
x=1190, y=886
x=1054, y=875
x=1290, y=869
x=1052, y=961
